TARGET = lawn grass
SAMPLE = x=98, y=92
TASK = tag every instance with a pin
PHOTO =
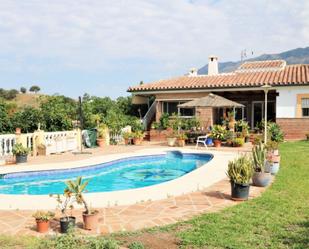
x=277, y=219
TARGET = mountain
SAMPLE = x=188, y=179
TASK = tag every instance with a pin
x=294, y=56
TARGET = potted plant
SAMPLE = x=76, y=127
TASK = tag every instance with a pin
x=238, y=142
x=138, y=137
x=181, y=139
x=21, y=153
x=260, y=177
x=66, y=202
x=240, y=173
x=90, y=217
x=229, y=138
x=273, y=157
x=307, y=136
x=42, y=220
x=101, y=140
x=171, y=139
x=41, y=148
x=218, y=134
x=127, y=136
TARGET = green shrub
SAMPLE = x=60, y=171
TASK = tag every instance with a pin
x=275, y=132
x=218, y=132
x=136, y=245
x=164, y=120
x=238, y=142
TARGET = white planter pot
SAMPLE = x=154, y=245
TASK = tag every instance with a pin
x=171, y=141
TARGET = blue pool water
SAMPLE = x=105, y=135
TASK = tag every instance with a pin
x=127, y=173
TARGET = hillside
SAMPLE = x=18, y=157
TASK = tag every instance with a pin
x=27, y=99
x=294, y=56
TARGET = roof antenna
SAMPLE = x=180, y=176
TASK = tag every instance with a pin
x=243, y=55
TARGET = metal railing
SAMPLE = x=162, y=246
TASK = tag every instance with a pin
x=149, y=115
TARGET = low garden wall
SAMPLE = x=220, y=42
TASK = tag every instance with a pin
x=159, y=135
x=294, y=128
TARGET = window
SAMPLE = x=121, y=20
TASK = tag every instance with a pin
x=305, y=107
x=171, y=108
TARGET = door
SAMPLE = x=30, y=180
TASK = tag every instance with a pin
x=257, y=113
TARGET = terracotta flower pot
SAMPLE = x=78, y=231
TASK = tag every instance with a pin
x=18, y=131
x=217, y=143
x=137, y=141
x=181, y=142
x=42, y=226
x=91, y=221
x=100, y=142
x=126, y=141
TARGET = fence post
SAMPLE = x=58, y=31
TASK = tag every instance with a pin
x=78, y=138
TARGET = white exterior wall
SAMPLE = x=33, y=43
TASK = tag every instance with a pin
x=287, y=100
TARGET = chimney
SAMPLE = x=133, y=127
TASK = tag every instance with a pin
x=193, y=72
x=213, y=65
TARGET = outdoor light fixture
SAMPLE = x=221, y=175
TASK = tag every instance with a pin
x=266, y=88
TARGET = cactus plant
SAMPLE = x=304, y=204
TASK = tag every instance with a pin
x=259, y=157
x=240, y=170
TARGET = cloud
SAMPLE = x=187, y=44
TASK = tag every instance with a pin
x=138, y=35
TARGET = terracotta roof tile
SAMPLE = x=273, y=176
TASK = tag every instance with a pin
x=289, y=75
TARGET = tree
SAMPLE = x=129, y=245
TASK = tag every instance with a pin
x=5, y=123
x=58, y=112
x=27, y=119
x=23, y=89
x=35, y=89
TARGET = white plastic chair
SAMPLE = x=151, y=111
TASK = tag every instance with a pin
x=202, y=140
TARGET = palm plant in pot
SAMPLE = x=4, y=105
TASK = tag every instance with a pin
x=42, y=219
x=240, y=173
x=218, y=134
x=66, y=202
x=21, y=153
x=90, y=217
x=260, y=177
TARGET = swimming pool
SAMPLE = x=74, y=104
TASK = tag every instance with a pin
x=121, y=174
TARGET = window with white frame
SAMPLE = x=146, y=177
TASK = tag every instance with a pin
x=305, y=107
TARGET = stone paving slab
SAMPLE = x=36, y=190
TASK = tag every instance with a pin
x=134, y=217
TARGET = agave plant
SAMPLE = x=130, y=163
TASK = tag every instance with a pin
x=240, y=170
x=77, y=188
x=259, y=157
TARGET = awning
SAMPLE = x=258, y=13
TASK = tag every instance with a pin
x=210, y=100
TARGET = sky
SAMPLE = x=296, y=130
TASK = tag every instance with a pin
x=102, y=47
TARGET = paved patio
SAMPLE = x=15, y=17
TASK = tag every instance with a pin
x=137, y=216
